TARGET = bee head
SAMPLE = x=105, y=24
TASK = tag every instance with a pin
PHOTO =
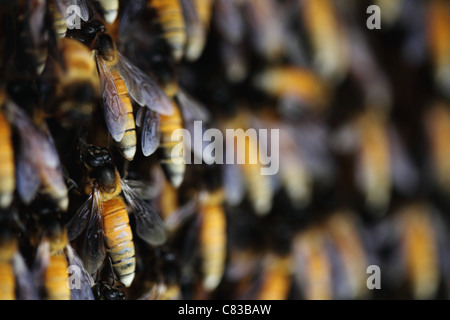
x=88, y=33
x=99, y=164
x=105, y=47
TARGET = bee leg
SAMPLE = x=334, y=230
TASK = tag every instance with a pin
x=126, y=165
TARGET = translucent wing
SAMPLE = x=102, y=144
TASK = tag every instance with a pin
x=40, y=263
x=84, y=291
x=234, y=184
x=144, y=90
x=114, y=109
x=150, y=132
x=26, y=289
x=63, y=6
x=144, y=190
x=79, y=221
x=149, y=225
x=94, y=251
x=27, y=178
x=178, y=217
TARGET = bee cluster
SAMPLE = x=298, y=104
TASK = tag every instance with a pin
x=96, y=204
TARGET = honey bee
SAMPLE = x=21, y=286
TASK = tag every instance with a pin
x=276, y=278
x=438, y=14
x=109, y=9
x=78, y=84
x=103, y=291
x=38, y=164
x=328, y=38
x=213, y=238
x=16, y=281
x=54, y=259
x=170, y=17
x=419, y=248
x=295, y=84
x=7, y=179
x=105, y=217
x=120, y=79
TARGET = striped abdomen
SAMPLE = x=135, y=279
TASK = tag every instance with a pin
x=127, y=145
x=171, y=19
x=213, y=241
x=55, y=278
x=7, y=281
x=111, y=9
x=7, y=180
x=119, y=239
x=173, y=165
x=59, y=22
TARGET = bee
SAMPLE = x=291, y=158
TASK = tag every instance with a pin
x=170, y=17
x=60, y=10
x=16, y=281
x=55, y=259
x=120, y=79
x=213, y=238
x=104, y=216
x=109, y=9
x=78, y=84
x=276, y=278
x=7, y=168
x=419, y=248
x=438, y=15
x=195, y=32
x=312, y=264
x=38, y=165
x=295, y=84
x=328, y=38
x=438, y=126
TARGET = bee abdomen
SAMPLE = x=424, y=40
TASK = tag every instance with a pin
x=7, y=181
x=171, y=19
x=119, y=240
x=7, y=283
x=213, y=245
x=56, y=276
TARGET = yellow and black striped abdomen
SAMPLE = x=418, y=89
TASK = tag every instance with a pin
x=213, y=241
x=7, y=281
x=171, y=19
x=55, y=278
x=7, y=180
x=128, y=144
x=173, y=164
x=119, y=239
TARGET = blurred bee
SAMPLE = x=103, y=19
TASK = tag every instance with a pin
x=292, y=84
x=78, y=84
x=438, y=127
x=438, y=17
x=38, y=164
x=109, y=9
x=104, y=216
x=60, y=10
x=419, y=249
x=312, y=265
x=276, y=278
x=120, y=79
x=16, y=281
x=328, y=38
x=170, y=17
x=7, y=168
x=55, y=259
x=266, y=31
x=213, y=238
x=195, y=32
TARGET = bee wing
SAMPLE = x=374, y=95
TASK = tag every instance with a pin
x=25, y=285
x=27, y=178
x=114, y=109
x=149, y=225
x=144, y=190
x=40, y=263
x=150, y=132
x=94, y=251
x=178, y=217
x=37, y=22
x=86, y=281
x=63, y=6
x=79, y=221
x=234, y=184
x=144, y=90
